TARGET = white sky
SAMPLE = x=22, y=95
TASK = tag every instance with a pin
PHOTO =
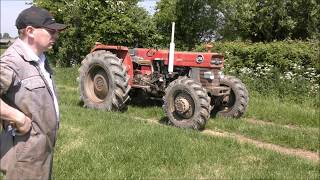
x=149, y=5
x=9, y=13
x=10, y=10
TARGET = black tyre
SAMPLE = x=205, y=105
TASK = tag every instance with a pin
x=187, y=104
x=235, y=104
x=103, y=82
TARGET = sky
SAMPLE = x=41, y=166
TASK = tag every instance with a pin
x=10, y=10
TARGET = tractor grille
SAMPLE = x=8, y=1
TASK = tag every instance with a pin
x=209, y=77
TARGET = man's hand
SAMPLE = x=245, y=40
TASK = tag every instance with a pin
x=15, y=117
x=23, y=125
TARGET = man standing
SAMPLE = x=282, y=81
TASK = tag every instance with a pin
x=28, y=105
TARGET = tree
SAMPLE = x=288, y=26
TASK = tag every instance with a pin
x=196, y=21
x=261, y=20
x=165, y=14
x=306, y=14
x=0, y=35
x=109, y=22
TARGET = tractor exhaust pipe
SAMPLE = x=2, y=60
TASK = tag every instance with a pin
x=171, y=51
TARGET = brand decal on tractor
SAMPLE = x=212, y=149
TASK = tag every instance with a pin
x=200, y=59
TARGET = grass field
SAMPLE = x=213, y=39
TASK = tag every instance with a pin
x=95, y=144
x=2, y=50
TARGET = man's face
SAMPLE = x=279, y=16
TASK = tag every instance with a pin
x=44, y=38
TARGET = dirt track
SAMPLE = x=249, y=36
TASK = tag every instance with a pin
x=309, y=155
x=312, y=156
x=255, y=121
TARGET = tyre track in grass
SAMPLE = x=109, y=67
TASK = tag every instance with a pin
x=308, y=155
x=294, y=127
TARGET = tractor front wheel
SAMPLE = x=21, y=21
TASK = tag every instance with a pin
x=187, y=104
x=235, y=104
x=103, y=81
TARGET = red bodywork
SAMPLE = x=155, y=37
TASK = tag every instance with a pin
x=181, y=59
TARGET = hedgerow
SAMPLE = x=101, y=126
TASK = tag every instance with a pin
x=287, y=69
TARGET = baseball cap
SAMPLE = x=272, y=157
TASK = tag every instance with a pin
x=38, y=18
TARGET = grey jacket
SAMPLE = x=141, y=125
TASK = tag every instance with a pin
x=23, y=86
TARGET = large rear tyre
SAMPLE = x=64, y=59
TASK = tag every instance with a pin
x=235, y=104
x=103, y=82
x=187, y=104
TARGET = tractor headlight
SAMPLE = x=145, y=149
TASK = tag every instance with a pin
x=216, y=61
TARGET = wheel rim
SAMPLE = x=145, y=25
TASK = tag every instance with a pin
x=228, y=102
x=97, y=86
x=183, y=108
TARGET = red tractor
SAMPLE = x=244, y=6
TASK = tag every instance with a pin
x=191, y=84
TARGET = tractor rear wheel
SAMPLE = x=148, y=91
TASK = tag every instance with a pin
x=103, y=82
x=187, y=104
x=233, y=105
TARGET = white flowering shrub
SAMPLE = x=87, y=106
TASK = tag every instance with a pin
x=287, y=69
x=298, y=84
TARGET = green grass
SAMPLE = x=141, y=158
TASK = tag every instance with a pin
x=302, y=117
x=2, y=50
x=287, y=113
x=303, y=138
x=96, y=144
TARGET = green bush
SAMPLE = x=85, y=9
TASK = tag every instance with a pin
x=287, y=69
x=282, y=54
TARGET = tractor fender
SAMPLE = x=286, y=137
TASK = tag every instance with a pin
x=122, y=52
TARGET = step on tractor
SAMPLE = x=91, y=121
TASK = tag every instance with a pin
x=191, y=84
